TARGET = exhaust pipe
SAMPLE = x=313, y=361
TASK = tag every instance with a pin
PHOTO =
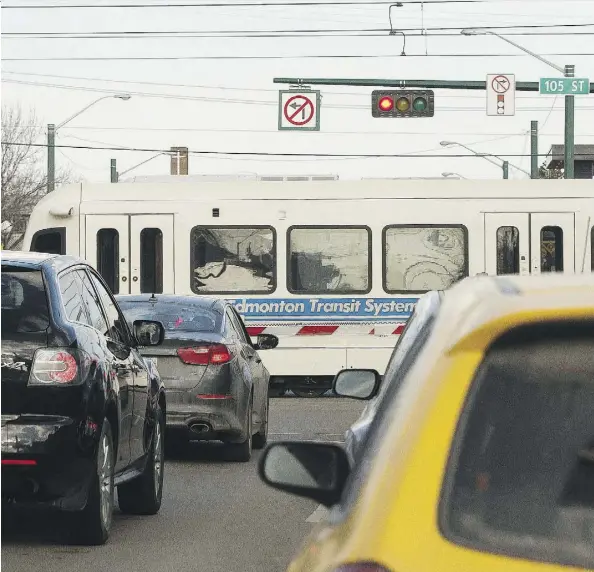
x=199, y=428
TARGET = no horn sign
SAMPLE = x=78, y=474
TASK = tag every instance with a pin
x=299, y=110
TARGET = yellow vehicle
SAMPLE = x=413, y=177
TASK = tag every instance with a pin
x=481, y=459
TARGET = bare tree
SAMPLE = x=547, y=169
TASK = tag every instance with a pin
x=24, y=178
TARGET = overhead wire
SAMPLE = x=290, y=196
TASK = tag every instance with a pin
x=275, y=57
x=273, y=153
x=235, y=101
x=249, y=33
x=327, y=89
x=264, y=4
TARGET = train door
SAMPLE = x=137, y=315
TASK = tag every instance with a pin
x=507, y=243
x=552, y=242
x=133, y=253
x=107, y=248
x=151, y=254
x=529, y=243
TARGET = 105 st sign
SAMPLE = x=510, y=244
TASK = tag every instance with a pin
x=564, y=86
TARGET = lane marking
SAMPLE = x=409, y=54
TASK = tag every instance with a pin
x=318, y=515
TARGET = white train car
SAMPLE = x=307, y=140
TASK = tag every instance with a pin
x=333, y=268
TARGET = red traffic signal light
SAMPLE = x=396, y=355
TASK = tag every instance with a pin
x=402, y=103
x=386, y=103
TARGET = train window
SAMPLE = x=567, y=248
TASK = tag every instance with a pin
x=151, y=260
x=508, y=250
x=49, y=240
x=108, y=253
x=329, y=259
x=418, y=258
x=551, y=249
x=235, y=259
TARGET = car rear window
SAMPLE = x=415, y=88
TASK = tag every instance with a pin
x=521, y=476
x=174, y=316
x=24, y=303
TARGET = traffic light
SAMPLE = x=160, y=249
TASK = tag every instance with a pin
x=402, y=103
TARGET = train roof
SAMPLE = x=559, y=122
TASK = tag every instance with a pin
x=323, y=190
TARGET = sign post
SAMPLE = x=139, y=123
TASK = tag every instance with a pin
x=501, y=94
x=299, y=110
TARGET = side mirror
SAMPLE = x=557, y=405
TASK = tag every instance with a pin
x=148, y=333
x=357, y=383
x=313, y=470
x=266, y=342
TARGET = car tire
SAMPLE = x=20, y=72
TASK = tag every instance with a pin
x=143, y=494
x=242, y=452
x=93, y=524
x=261, y=437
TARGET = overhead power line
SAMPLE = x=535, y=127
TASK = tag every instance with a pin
x=233, y=88
x=278, y=154
x=307, y=3
x=275, y=131
x=182, y=35
x=276, y=57
x=264, y=4
x=242, y=101
x=258, y=33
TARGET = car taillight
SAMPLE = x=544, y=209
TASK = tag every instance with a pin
x=55, y=366
x=204, y=355
x=361, y=567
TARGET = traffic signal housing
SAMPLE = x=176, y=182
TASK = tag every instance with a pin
x=402, y=103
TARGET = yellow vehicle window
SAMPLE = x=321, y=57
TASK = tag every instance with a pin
x=521, y=476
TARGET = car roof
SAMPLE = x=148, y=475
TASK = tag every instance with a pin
x=39, y=260
x=480, y=301
x=193, y=301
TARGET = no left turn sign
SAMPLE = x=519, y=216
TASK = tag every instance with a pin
x=299, y=110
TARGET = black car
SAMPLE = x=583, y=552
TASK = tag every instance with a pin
x=216, y=383
x=81, y=412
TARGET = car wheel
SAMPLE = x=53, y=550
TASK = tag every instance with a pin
x=261, y=437
x=143, y=494
x=93, y=524
x=242, y=452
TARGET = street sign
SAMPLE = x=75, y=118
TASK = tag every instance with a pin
x=501, y=94
x=299, y=110
x=564, y=85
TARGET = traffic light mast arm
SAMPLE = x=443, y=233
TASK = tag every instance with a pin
x=406, y=83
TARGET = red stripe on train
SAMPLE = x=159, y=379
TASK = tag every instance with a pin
x=317, y=330
x=255, y=330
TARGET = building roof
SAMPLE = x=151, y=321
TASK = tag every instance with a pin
x=557, y=154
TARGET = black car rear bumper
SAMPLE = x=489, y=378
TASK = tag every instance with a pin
x=44, y=462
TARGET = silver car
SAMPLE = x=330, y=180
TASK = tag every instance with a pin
x=403, y=357
x=215, y=381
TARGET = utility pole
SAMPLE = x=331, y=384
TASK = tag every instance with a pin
x=51, y=157
x=506, y=169
x=534, y=173
x=114, y=171
x=569, y=128
x=51, y=138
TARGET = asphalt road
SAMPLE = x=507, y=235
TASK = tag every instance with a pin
x=216, y=516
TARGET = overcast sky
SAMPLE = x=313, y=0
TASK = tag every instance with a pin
x=231, y=104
